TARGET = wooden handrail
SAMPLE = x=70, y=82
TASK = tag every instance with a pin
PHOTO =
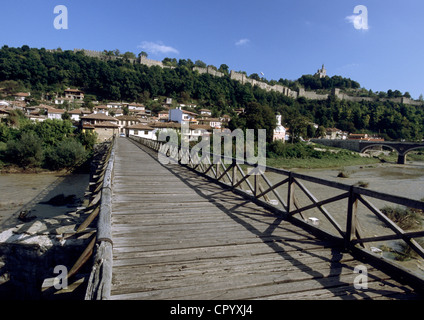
x=100, y=281
x=351, y=235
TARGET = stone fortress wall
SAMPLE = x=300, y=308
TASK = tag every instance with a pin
x=243, y=78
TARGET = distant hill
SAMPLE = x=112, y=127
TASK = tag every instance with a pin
x=42, y=71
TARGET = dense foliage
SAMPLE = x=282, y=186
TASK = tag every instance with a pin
x=45, y=72
x=52, y=144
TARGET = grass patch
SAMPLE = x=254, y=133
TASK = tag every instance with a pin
x=310, y=156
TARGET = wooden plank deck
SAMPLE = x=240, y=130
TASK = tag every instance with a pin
x=178, y=236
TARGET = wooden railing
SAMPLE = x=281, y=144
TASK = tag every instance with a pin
x=358, y=224
x=100, y=280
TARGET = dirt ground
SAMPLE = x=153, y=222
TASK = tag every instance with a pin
x=31, y=191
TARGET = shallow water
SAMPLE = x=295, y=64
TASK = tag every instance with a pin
x=26, y=191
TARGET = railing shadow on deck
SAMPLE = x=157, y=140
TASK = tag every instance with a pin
x=347, y=239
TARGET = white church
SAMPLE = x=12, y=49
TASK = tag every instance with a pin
x=279, y=131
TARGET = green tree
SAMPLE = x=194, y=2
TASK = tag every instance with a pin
x=26, y=151
x=297, y=126
x=260, y=117
x=67, y=154
x=224, y=69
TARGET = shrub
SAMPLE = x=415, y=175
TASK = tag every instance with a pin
x=403, y=217
x=68, y=153
x=343, y=174
x=292, y=151
x=26, y=151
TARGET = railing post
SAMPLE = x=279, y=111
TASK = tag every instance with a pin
x=233, y=173
x=255, y=180
x=290, y=193
x=351, y=217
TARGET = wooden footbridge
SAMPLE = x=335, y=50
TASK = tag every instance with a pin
x=216, y=231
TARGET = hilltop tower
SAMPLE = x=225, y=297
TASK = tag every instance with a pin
x=322, y=73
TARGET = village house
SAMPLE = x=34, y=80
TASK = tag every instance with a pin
x=163, y=126
x=141, y=130
x=199, y=130
x=105, y=130
x=101, y=109
x=215, y=123
x=4, y=103
x=182, y=116
x=225, y=119
x=76, y=114
x=334, y=133
x=19, y=105
x=74, y=94
x=55, y=114
x=136, y=108
x=96, y=118
x=35, y=117
x=21, y=96
x=62, y=100
x=116, y=112
x=105, y=126
x=115, y=105
x=4, y=112
x=363, y=137
x=205, y=112
x=163, y=115
x=126, y=121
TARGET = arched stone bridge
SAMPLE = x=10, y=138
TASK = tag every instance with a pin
x=402, y=148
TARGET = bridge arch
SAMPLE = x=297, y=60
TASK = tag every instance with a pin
x=363, y=149
x=402, y=150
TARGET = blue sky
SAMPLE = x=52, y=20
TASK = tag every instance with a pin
x=282, y=39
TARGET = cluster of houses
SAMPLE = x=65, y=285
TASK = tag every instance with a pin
x=337, y=134
x=109, y=119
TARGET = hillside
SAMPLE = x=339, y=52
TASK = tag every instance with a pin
x=46, y=73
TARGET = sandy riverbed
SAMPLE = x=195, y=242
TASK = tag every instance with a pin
x=19, y=191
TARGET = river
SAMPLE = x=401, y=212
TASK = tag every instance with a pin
x=21, y=191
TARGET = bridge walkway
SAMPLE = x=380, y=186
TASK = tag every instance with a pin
x=178, y=236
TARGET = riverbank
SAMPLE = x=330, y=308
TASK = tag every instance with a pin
x=314, y=163
x=26, y=191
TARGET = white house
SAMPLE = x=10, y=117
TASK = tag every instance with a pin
x=115, y=105
x=198, y=130
x=21, y=96
x=77, y=114
x=55, y=113
x=101, y=109
x=205, y=112
x=213, y=122
x=136, y=107
x=141, y=130
x=35, y=118
x=126, y=121
x=4, y=103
